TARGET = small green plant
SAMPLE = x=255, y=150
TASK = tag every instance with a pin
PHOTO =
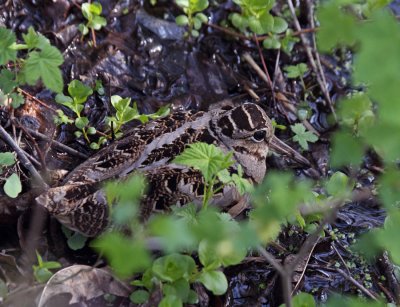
x=78, y=94
x=12, y=186
x=297, y=71
x=41, y=61
x=256, y=17
x=302, y=136
x=124, y=113
x=213, y=164
x=193, y=17
x=92, y=12
x=41, y=271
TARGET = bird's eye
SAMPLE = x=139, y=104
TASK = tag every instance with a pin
x=259, y=135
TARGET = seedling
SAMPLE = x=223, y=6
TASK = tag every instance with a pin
x=190, y=19
x=41, y=271
x=92, y=12
x=124, y=113
x=79, y=93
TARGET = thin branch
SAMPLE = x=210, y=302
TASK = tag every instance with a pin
x=57, y=144
x=357, y=284
x=23, y=158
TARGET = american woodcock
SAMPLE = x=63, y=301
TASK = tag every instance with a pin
x=245, y=130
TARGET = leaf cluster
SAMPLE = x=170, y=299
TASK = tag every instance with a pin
x=41, y=62
x=193, y=17
x=255, y=16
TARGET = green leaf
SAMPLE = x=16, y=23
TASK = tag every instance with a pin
x=203, y=18
x=97, y=23
x=3, y=290
x=170, y=301
x=198, y=5
x=42, y=275
x=79, y=91
x=7, y=81
x=238, y=21
x=295, y=71
x=99, y=88
x=64, y=100
x=139, y=296
x=81, y=122
x=16, y=100
x=207, y=255
x=50, y=265
x=182, y=20
x=173, y=267
x=7, y=39
x=303, y=300
x=280, y=25
x=31, y=39
x=179, y=288
x=13, y=186
x=215, y=281
x=302, y=136
x=44, y=65
x=83, y=29
x=389, y=188
x=207, y=158
x=271, y=43
x=76, y=241
x=91, y=131
x=344, y=143
x=7, y=158
x=337, y=27
x=338, y=185
x=124, y=255
x=243, y=185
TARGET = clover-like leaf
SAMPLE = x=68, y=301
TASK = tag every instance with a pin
x=302, y=136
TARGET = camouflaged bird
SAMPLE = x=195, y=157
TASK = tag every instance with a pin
x=246, y=131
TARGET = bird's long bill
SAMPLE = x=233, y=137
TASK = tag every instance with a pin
x=281, y=148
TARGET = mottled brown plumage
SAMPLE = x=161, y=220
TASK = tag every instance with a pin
x=80, y=204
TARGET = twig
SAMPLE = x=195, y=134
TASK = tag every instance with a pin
x=341, y=258
x=23, y=158
x=227, y=31
x=357, y=284
x=36, y=99
x=249, y=59
x=57, y=144
x=314, y=67
x=260, y=54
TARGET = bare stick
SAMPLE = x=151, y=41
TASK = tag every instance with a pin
x=23, y=158
x=249, y=59
x=57, y=144
x=357, y=284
